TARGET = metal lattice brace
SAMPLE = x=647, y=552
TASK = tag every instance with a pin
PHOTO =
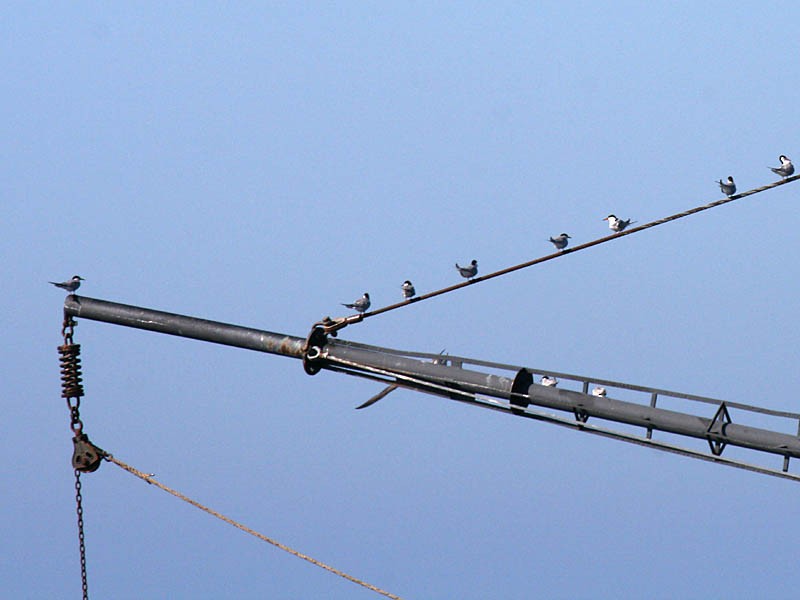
x=716, y=430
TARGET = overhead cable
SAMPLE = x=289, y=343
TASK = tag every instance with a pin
x=149, y=478
x=338, y=324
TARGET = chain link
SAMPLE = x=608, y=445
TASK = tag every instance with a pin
x=68, y=328
x=75, y=417
x=79, y=504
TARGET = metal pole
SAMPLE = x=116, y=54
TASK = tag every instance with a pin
x=520, y=391
x=190, y=327
x=457, y=377
x=664, y=420
x=571, y=401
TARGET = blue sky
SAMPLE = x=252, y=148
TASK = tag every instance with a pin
x=261, y=163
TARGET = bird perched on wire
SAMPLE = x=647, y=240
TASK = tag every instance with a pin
x=599, y=391
x=360, y=305
x=549, y=381
x=560, y=242
x=786, y=168
x=408, y=290
x=71, y=285
x=617, y=225
x=728, y=187
x=469, y=271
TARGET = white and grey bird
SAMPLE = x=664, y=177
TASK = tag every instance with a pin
x=71, y=285
x=560, y=242
x=786, y=168
x=549, y=381
x=360, y=305
x=617, y=225
x=408, y=290
x=599, y=391
x=728, y=187
x=469, y=271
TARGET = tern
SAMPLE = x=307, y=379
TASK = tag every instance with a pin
x=560, y=242
x=599, y=391
x=617, y=225
x=786, y=168
x=360, y=305
x=470, y=271
x=71, y=285
x=728, y=187
x=408, y=290
x=549, y=381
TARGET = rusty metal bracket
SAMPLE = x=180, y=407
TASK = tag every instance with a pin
x=317, y=338
x=332, y=326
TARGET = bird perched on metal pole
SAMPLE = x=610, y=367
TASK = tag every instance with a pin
x=360, y=305
x=560, y=242
x=71, y=285
x=549, y=381
x=786, y=168
x=617, y=225
x=728, y=187
x=469, y=271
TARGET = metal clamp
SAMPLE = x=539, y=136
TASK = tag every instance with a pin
x=581, y=414
x=312, y=349
x=332, y=326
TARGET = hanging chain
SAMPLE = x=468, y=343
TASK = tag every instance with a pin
x=81, y=539
x=86, y=457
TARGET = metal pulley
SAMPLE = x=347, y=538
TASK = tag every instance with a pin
x=86, y=457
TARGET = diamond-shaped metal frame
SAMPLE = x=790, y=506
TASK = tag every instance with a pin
x=716, y=429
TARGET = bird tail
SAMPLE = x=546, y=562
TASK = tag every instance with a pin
x=347, y=305
x=774, y=170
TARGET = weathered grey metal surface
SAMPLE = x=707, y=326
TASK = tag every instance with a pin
x=665, y=420
x=458, y=378
x=190, y=327
x=585, y=405
x=444, y=375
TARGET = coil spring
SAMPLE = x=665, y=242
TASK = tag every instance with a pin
x=71, y=378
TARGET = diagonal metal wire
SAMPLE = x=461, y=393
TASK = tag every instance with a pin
x=578, y=248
